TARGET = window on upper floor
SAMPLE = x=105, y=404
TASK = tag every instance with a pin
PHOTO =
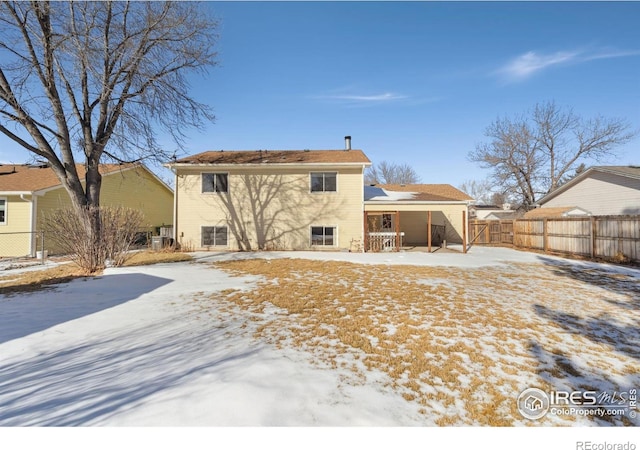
x=215, y=182
x=324, y=181
x=3, y=211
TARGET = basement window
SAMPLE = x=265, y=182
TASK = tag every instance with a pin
x=3, y=211
x=323, y=236
x=214, y=236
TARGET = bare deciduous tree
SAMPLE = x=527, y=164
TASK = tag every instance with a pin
x=532, y=155
x=85, y=81
x=391, y=173
x=480, y=190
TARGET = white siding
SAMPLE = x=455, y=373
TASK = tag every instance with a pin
x=601, y=194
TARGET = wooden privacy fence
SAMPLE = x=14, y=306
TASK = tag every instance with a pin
x=607, y=237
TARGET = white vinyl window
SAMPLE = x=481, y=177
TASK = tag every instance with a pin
x=215, y=236
x=215, y=182
x=324, y=181
x=3, y=211
x=325, y=236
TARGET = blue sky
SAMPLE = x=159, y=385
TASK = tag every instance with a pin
x=411, y=82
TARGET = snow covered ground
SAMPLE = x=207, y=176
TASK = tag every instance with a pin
x=134, y=348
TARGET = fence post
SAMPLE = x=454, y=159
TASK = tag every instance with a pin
x=545, y=242
x=464, y=232
x=620, y=238
x=42, y=248
x=514, y=233
x=593, y=232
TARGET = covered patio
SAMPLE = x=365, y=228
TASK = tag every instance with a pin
x=398, y=217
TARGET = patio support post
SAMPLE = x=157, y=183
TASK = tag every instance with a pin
x=397, y=231
x=366, y=231
x=429, y=230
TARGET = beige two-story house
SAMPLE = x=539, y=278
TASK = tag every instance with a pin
x=269, y=200
x=306, y=200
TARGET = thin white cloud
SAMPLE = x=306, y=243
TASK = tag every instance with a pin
x=385, y=97
x=530, y=63
x=611, y=54
x=526, y=65
x=349, y=97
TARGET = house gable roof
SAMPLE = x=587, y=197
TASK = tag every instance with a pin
x=503, y=215
x=415, y=192
x=623, y=171
x=34, y=178
x=255, y=157
x=486, y=207
x=560, y=211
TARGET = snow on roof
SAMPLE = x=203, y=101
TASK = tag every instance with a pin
x=375, y=193
x=414, y=192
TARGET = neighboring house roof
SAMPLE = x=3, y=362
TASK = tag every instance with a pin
x=486, y=207
x=560, y=211
x=414, y=192
x=503, y=215
x=624, y=171
x=33, y=178
x=233, y=157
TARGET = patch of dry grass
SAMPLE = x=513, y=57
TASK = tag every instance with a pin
x=147, y=257
x=37, y=280
x=449, y=339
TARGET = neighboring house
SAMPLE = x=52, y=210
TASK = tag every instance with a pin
x=481, y=212
x=28, y=193
x=493, y=212
x=291, y=200
x=555, y=212
x=600, y=190
x=503, y=215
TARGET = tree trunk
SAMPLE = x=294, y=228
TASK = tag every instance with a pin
x=93, y=224
x=95, y=254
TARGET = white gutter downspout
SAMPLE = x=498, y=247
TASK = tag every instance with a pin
x=175, y=209
x=32, y=220
x=362, y=228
